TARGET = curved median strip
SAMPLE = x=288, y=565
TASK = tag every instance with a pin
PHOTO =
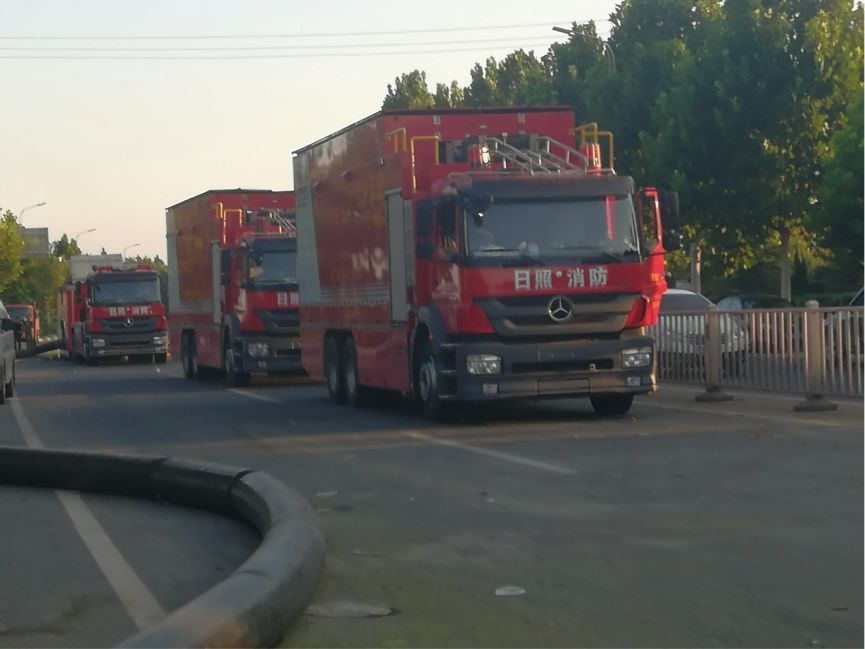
x=255, y=605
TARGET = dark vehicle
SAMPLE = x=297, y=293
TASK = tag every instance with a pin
x=681, y=335
x=748, y=302
x=768, y=332
x=8, y=329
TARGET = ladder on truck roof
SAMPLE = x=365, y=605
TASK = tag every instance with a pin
x=544, y=155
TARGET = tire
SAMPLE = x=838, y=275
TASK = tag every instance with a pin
x=91, y=361
x=333, y=372
x=3, y=391
x=188, y=357
x=427, y=389
x=233, y=377
x=612, y=404
x=9, y=390
x=160, y=359
x=356, y=395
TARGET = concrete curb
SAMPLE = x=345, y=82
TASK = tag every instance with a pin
x=256, y=604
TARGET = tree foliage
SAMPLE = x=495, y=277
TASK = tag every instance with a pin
x=10, y=251
x=751, y=109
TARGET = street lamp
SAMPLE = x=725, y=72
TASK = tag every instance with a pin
x=134, y=245
x=83, y=233
x=608, y=51
x=29, y=207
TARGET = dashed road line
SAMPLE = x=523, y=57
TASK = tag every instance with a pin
x=253, y=395
x=142, y=606
x=699, y=411
x=507, y=457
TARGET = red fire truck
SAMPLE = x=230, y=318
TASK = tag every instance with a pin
x=27, y=333
x=112, y=309
x=470, y=255
x=232, y=283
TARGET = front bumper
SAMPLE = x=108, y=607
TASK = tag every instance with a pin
x=284, y=354
x=574, y=368
x=128, y=344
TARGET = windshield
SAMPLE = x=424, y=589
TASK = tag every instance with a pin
x=114, y=291
x=684, y=302
x=593, y=229
x=18, y=312
x=273, y=267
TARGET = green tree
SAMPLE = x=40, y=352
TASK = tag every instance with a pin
x=65, y=247
x=409, y=90
x=10, y=251
x=839, y=215
x=519, y=78
x=37, y=284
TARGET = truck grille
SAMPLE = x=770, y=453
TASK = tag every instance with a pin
x=127, y=325
x=563, y=366
x=280, y=321
x=528, y=316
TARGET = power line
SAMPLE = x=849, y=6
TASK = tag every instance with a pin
x=432, y=30
x=233, y=48
x=87, y=57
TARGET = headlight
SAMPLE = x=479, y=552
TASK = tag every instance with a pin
x=160, y=340
x=483, y=364
x=258, y=349
x=97, y=342
x=637, y=357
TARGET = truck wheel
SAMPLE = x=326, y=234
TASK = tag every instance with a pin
x=160, y=359
x=612, y=404
x=233, y=377
x=9, y=390
x=333, y=370
x=428, y=390
x=91, y=361
x=355, y=394
x=188, y=357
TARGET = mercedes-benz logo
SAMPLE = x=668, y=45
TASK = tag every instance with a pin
x=560, y=309
x=128, y=322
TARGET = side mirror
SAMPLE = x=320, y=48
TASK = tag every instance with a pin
x=672, y=241
x=9, y=324
x=424, y=218
x=424, y=250
x=477, y=204
x=669, y=202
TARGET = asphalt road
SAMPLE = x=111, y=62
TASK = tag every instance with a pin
x=732, y=524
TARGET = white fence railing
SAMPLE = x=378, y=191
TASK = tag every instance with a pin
x=812, y=351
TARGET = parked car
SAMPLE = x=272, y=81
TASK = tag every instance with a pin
x=843, y=334
x=767, y=332
x=8, y=329
x=750, y=302
x=680, y=335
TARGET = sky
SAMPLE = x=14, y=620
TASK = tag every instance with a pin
x=109, y=144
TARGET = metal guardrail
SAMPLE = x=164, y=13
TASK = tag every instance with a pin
x=811, y=351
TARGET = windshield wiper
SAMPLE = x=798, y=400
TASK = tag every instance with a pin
x=601, y=252
x=511, y=254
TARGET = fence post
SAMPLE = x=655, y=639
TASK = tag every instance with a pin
x=815, y=362
x=712, y=356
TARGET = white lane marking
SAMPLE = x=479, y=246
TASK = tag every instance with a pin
x=699, y=410
x=253, y=395
x=507, y=457
x=142, y=606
